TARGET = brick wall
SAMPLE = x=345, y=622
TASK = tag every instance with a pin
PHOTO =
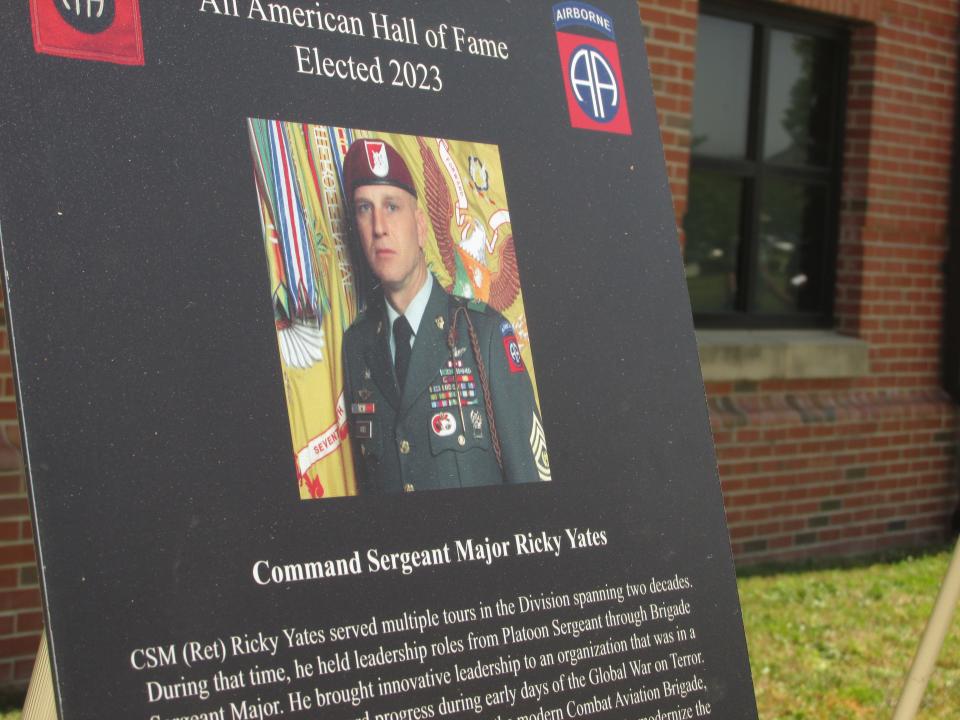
x=848, y=465
x=20, y=617
x=671, y=29
x=807, y=467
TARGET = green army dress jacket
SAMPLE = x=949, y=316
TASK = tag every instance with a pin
x=437, y=434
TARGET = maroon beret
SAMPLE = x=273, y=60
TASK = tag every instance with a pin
x=374, y=162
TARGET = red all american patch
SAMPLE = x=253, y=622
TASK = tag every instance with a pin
x=512, y=349
x=103, y=30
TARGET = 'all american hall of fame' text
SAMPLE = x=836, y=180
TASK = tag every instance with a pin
x=310, y=59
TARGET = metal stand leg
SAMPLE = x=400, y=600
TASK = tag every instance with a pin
x=937, y=627
x=40, y=704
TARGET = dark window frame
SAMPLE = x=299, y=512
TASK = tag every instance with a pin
x=755, y=168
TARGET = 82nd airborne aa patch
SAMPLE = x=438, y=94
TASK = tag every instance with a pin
x=592, y=76
x=103, y=30
x=511, y=348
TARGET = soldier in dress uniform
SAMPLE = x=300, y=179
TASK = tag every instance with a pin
x=437, y=392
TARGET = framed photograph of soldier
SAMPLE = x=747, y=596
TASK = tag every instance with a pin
x=361, y=229
x=261, y=253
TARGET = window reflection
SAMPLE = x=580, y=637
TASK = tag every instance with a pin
x=722, y=89
x=713, y=241
x=764, y=177
x=792, y=224
x=798, y=102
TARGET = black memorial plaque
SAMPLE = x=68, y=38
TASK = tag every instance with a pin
x=227, y=513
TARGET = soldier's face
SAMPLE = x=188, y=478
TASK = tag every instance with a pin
x=393, y=231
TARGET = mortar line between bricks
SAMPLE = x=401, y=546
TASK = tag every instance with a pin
x=859, y=524
x=837, y=541
x=804, y=531
x=802, y=472
x=844, y=424
x=864, y=493
x=935, y=452
x=786, y=504
x=795, y=552
x=855, y=482
x=779, y=444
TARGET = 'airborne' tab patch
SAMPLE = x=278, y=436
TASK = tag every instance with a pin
x=592, y=75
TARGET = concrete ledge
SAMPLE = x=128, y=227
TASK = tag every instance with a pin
x=780, y=355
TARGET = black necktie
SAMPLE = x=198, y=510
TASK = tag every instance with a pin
x=402, y=332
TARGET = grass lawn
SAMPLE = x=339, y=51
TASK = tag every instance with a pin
x=836, y=642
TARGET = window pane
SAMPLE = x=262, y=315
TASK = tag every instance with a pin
x=713, y=239
x=799, y=93
x=722, y=88
x=789, y=274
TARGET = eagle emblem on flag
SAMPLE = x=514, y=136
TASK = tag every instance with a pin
x=467, y=261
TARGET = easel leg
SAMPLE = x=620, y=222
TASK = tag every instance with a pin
x=40, y=704
x=937, y=627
